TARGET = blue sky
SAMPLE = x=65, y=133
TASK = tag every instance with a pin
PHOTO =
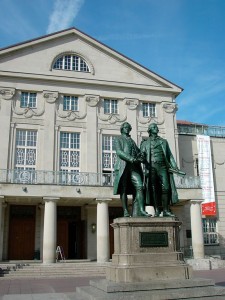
x=181, y=40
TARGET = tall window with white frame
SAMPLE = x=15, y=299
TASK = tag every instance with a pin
x=108, y=158
x=25, y=156
x=210, y=231
x=70, y=157
x=110, y=106
x=70, y=103
x=148, y=110
x=28, y=100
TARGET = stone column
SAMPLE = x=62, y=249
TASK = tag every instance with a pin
x=102, y=230
x=49, y=235
x=196, y=229
x=1, y=226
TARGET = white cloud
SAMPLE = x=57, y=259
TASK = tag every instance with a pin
x=63, y=14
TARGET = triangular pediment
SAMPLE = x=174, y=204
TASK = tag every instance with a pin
x=35, y=57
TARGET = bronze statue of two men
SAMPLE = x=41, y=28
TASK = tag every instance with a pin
x=151, y=185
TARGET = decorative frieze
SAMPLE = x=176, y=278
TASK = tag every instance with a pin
x=27, y=112
x=112, y=118
x=71, y=115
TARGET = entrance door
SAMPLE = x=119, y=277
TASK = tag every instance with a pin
x=21, y=236
x=69, y=237
x=73, y=241
x=62, y=235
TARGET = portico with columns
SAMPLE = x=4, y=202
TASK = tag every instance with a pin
x=95, y=213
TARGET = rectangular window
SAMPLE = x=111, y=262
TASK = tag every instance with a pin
x=69, y=156
x=149, y=110
x=108, y=158
x=28, y=100
x=108, y=153
x=70, y=103
x=110, y=106
x=210, y=231
x=25, y=156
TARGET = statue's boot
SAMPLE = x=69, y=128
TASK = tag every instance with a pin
x=124, y=204
x=157, y=212
x=140, y=199
x=145, y=214
x=167, y=213
x=126, y=213
x=165, y=201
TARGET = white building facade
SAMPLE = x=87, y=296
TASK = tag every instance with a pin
x=63, y=98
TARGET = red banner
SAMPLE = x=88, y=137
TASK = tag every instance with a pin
x=209, y=209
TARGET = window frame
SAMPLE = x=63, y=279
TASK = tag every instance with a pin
x=150, y=111
x=210, y=231
x=110, y=106
x=110, y=151
x=29, y=101
x=25, y=172
x=68, y=174
x=68, y=104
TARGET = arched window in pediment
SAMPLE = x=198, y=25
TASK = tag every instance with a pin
x=71, y=62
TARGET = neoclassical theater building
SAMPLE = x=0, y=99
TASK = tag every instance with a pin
x=63, y=98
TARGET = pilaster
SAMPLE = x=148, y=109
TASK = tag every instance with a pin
x=49, y=126
x=6, y=95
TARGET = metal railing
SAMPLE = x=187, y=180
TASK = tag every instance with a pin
x=55, y=178
x=81, y=178
x=214, y=131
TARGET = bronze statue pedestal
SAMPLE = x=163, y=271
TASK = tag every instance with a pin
x=147, y=249
x=147, y=264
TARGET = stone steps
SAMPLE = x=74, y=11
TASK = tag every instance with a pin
x=53, y=270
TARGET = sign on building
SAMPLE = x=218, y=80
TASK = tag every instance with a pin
x=206, y=175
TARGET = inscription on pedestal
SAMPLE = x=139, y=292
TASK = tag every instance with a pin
x=154, y=239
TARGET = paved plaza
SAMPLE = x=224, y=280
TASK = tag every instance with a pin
x=64, y=288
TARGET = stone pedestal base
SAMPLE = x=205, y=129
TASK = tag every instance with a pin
x=147, y=249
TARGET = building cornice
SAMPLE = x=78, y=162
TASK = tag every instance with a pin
x=66, y=79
